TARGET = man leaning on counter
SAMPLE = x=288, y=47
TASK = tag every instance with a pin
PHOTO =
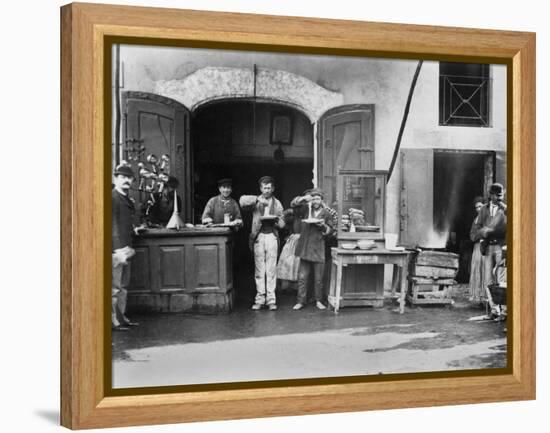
x=223, y=209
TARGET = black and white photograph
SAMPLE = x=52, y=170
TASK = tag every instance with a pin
x=280, y=216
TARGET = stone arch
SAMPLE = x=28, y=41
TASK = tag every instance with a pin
x=220, y=83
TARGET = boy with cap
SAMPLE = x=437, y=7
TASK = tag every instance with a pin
x=311, y=245
x=123, y=214
x=223, y=204
x=267, y=219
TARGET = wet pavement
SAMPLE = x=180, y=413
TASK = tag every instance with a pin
x=175, y=349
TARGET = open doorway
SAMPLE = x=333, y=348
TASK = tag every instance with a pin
x=459, y=177
x=236, y=139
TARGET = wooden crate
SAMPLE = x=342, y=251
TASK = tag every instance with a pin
x=431, y=278
x=421, y=294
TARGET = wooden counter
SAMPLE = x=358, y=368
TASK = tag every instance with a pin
x=185, y=270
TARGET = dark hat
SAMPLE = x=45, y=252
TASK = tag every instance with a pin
x=317, y=191
x=307, y=191
x=225, y=181
x=124, y=170
x=496, y=188
x=266, y=179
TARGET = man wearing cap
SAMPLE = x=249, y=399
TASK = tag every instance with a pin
x=123, y=214
x=311, y=245
x=267, y=219
x=491, y=229
x=223, y=209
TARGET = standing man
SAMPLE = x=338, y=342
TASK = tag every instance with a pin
x=311, y=245
x=490, y=227
x=223, y=209
x=267, y=219
x=123, y=214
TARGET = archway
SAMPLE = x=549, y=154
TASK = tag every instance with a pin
x=239, y=139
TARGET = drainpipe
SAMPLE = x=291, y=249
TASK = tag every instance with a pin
x=404, y=120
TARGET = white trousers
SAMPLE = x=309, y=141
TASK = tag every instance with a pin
x=265, y=268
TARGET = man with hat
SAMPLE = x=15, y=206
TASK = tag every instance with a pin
x=490, y=227
x=267, y=219
x=223, y=209
x=123, y=214
x=311, y=244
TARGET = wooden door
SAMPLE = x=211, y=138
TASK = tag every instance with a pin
x=417, y=183
x=162, y=125
x=346, y=142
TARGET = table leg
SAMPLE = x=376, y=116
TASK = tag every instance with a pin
x=395, y=280
x=332, y=287
x=403, y=270
x=338, y=285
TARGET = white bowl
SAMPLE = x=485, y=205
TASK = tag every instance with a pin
x=348, y=246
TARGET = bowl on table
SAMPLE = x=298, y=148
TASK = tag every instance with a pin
x=348, y=245
x=365, y=244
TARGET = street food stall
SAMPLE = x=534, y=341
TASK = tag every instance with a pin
x=357, y=276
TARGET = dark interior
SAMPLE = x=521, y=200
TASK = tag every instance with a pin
x=458, y=179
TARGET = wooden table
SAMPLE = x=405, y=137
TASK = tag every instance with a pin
x=376, y=256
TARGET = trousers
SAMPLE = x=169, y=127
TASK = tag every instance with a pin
x=492, y=256
x=306, y=268
x=265, y=268
x=119, y=294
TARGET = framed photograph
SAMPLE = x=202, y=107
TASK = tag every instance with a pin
x=265, y=215
x=281, y=128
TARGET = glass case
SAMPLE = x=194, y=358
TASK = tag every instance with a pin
x=361, y=196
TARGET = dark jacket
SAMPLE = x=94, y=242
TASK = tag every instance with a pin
x=311, y=244
x=123, y=214
x=491, y=228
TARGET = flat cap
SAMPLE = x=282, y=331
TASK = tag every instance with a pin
x=317, y=191
x=266, y=179
x=225, y=181
x=124, y=170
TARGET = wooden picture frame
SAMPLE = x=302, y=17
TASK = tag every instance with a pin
x=85, y=170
